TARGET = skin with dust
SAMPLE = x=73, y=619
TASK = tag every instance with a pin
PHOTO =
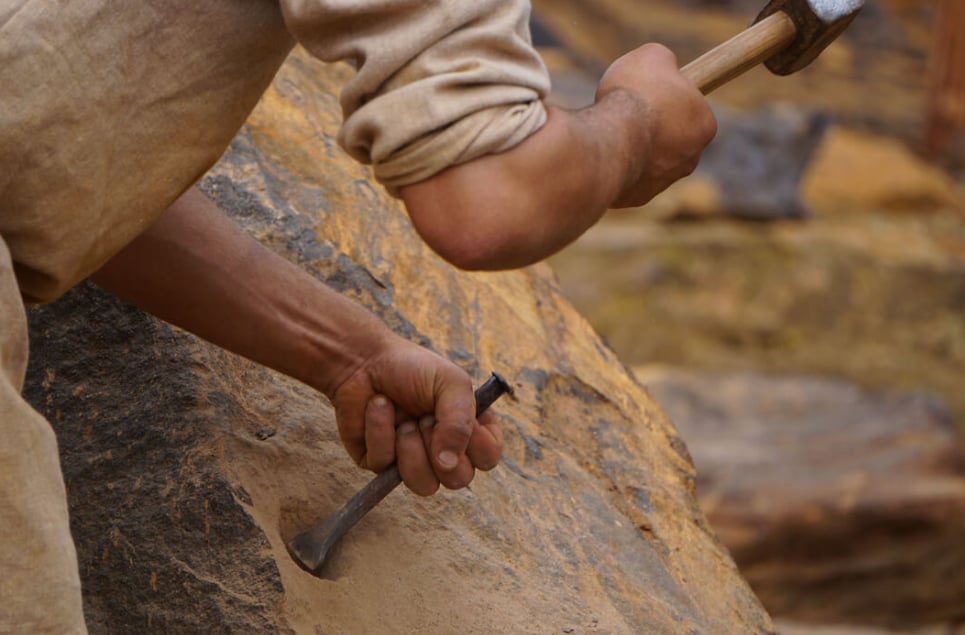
x=831, y=10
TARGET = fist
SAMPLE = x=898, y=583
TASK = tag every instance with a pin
x=668, y=119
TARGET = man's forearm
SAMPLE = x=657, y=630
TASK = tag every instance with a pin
x=195, y=268
x=646, y=130
x=512, y=209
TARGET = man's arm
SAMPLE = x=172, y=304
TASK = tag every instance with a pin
x=646, y=130
x=195, y=268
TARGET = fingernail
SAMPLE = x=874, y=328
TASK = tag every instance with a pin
x=427, y=422
x=380, y=402
x=406, y=428
x=448, y=460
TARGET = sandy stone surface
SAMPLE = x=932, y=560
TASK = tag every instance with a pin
x=188, y=469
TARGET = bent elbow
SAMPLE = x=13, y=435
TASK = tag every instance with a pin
x=479, y=232
x=465, y=242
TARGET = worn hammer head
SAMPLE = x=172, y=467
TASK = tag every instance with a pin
x=818, y=22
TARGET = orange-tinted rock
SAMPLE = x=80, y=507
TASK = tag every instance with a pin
x=859, y=171
x=189, y=468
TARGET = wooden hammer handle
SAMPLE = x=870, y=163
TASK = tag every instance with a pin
x=742, y=52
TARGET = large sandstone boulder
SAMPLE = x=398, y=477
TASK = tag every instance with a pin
x=188, y=468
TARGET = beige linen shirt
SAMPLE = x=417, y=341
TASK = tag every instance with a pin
x=109, y=110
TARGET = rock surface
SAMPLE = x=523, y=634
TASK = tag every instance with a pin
x=840, y=505
x=188, y=468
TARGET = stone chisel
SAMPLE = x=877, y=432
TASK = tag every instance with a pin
x=786, y=36
x=310, y=548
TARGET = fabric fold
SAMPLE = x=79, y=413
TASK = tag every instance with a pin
x=437, y=83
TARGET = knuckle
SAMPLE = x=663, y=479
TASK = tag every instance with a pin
x=654, y=48
x=709, y=127
x=460, y=482
x=662, y=53
x=487, y=464
x=459, y=429
x=690, y=166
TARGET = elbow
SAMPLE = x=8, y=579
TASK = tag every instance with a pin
x=471, y=256
x=461, y=252
x=476, y=232
x=465, y=238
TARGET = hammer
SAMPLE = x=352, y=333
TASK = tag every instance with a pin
x=786, y=36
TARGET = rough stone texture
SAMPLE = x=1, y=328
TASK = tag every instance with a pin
x=840, y=505
x=870, y=287
x=164, y=541
x=188, y=468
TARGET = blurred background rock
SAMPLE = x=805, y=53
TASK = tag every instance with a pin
x=798, y=305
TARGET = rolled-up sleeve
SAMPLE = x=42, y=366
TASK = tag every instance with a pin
x=437, y=83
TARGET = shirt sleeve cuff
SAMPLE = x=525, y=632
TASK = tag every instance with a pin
x=488, y=131
x=437, y=83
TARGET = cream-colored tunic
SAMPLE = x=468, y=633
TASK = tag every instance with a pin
x=109, y=110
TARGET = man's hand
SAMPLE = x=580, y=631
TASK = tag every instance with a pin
x=679, y=121
x=407, y=404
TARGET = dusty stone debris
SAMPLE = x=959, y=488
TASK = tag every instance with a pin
x=188, y=468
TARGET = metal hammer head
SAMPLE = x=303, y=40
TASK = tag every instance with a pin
x=814, y=32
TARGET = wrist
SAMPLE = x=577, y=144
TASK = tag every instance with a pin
x=626, y=121
x=334, y=356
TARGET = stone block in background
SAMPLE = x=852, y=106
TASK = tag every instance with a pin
x=855, y=171
x=187, y=468
x=758, y=160
x=840, y=505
